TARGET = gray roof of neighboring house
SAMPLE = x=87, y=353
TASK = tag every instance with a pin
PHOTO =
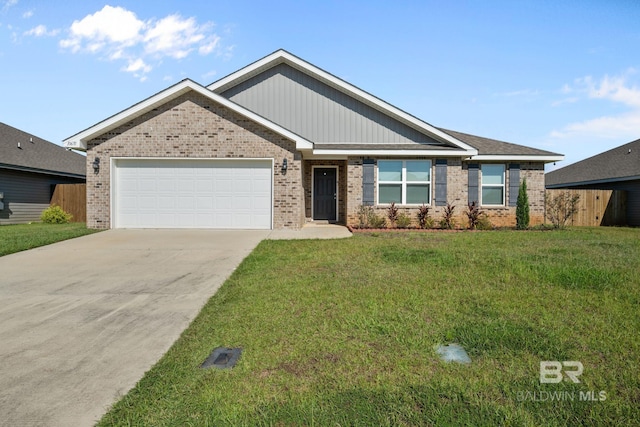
x=486, y=146
x=37, y=155
x=618, y=164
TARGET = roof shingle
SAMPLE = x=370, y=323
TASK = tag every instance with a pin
x=487, y=146
x=619, y=163
x=37, y=155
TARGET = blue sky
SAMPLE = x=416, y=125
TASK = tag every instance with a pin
x=558, y=75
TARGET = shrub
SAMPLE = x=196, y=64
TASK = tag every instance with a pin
x=364, y=214
x=484, y=223
x=447, y=217
x=368, y=218
x=561, y=207
x=424, y=220
x=522, y=207
x=403, y=220
x=377, y=221
x=55, y=215
x=392, y=214
x=473, y=214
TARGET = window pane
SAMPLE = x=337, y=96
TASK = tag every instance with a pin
x=492, y=174
x=417, y=194
x=390, y=193
x=389, y=170
x=492, y=195
x=418, y=170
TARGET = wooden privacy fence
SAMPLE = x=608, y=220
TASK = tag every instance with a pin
x=597, y=207
x=72, y=198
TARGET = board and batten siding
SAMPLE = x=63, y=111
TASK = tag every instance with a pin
x=317, y=111
x=27, y=194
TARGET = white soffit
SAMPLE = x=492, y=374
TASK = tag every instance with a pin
x=513, y=158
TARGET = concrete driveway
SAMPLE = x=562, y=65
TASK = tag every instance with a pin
x=81, y=321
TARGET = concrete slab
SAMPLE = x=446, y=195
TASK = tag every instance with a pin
x=312, y=231
x=81, y=321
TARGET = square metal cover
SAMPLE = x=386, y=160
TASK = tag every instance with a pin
x=222, y=358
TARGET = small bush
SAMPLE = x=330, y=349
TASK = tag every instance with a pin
x=403, y=220
x=369, y=219
x=484, y=223
x=447, y=221
x=561, y=207
x=392, y=214
x=377, y=221
x=364, y=215
x=424, y=220
x=55, y=215
x=473, y=213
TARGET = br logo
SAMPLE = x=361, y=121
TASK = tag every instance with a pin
x=551, y=371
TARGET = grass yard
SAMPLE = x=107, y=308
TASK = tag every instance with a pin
x=343, y=333
x=20, y=237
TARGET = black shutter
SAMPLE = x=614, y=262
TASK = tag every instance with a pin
x=368, y=182
x=473, y=183
x=514, y=183
x=441, y=182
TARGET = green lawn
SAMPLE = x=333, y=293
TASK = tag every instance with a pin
x=342, y=333
x=20, y=237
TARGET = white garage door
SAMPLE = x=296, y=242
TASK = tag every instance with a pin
x=181, y=193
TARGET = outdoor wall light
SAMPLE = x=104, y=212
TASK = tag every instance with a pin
x=96, y=164
x=284, y=165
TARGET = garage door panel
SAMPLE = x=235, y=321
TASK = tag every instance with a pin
x=158, y=193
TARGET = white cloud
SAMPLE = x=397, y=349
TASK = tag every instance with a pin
x=116, y=33
x=112, y=26
x=137, y=65
x=209, y=74
x=523, y=92
x=41, y=31
x=617, y=90
x=6, y=5
x=28, y=14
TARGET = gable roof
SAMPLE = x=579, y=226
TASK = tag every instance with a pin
x=79, y=140
x=493, y=149
x=618, y=164
x=283, y=57
x=20, y=150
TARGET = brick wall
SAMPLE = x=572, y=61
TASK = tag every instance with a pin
x=193, y=126
x=457, y=195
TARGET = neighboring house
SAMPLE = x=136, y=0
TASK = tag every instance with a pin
x=282, y=142
x=29, y=169
x=616, y=169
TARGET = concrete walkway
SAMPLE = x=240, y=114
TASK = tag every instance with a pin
x=82, y=320
x=312, y=231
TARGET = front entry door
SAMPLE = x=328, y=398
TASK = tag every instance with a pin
x=324, y=194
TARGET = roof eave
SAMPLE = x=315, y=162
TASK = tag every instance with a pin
x=394, y=153
x=42, y=171
x=520, y=158
x=593, y=181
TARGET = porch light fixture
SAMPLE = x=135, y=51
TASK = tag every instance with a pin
x=284, y=165
x=96, y=164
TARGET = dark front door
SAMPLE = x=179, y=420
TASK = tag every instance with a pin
x=324, y=193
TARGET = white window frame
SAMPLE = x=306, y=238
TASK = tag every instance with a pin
x=403, y=182
x=503, y=185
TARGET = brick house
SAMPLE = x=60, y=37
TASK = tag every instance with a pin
x=282, y=142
